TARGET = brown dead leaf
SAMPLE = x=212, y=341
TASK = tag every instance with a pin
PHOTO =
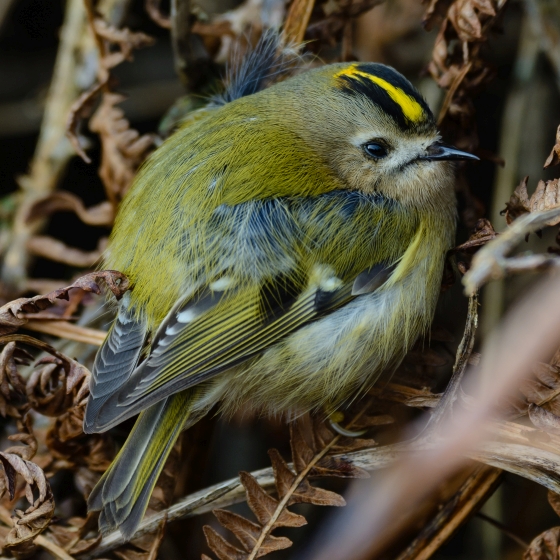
x=518, y=203
x=122, y=42
x=100, y=215
x=12, y=386
x=263, y=505
x=554, y=157
x=26, y=436
x=467, y=16
x=247, y=533
x=545, y=547
x=71, y=534
x=123, y=149
x=482, y=234
x=222, y=548
x=13, y=314
x=115, y=45
x=545, y=197
x=49, y=390
x=81, y=109
x=35, y=519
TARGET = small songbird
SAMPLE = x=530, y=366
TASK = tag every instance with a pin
x=285, y=246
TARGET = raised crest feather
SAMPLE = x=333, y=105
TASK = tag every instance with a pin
x=270, y=61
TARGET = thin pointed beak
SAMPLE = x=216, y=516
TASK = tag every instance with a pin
x=439, y=151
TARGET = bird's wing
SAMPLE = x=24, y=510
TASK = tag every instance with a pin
x=269, y=291
x=116, y=359
x=219, y=329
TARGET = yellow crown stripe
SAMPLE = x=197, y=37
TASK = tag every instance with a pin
x=411, y=109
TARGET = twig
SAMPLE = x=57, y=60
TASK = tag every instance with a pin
x=442, y=410
x=495, y=523
x=490, y=262
x=473, y=493
x=180, y=36
x=69, y=331
x=297, y=20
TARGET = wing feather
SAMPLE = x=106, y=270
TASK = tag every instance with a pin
x=116, y=360
x=186, y=361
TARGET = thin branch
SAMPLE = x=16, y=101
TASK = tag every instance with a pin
x=473, y=493
x=442, y=410
x=69, y=331
x=297, y=20
x=501, y=527
x=180, y=36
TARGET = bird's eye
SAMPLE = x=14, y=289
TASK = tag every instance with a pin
x=375, y=150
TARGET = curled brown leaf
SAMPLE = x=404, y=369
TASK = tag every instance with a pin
x=154, y=11
x=482, y=234
x=123, y=148
x=100, y=215
x=36, y=518
x=13, y=314
x=55, y=250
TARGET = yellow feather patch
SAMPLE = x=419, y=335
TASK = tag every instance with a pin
x=411, y=109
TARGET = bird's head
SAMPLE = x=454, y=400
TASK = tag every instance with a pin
x=373, y=128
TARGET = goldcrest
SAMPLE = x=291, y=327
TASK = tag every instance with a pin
x=285, y=247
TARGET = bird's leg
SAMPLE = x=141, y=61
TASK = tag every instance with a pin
x=335, y=419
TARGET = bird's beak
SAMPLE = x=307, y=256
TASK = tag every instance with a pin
x=439, y=151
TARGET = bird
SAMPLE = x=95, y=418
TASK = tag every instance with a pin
x=285, y=246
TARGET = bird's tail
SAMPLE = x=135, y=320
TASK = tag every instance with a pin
x=123, y=492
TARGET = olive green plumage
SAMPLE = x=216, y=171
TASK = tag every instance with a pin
x=284, y=249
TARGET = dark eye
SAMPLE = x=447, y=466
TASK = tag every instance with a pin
x=375, y=150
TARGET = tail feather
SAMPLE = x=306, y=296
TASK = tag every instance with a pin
x=123, y=492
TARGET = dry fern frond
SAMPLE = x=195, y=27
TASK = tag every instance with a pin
x=310, y=447
x=122, y=147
